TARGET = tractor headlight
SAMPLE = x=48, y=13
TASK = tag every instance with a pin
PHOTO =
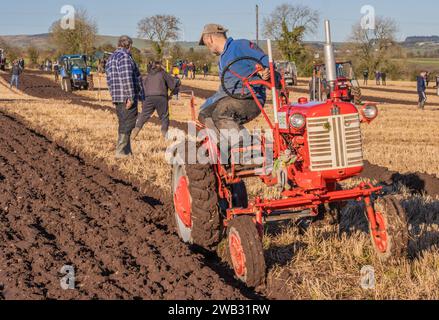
x=297, y=121
x=370, y=112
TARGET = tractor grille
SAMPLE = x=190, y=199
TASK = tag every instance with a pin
x=335, y=142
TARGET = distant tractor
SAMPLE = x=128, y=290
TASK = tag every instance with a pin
x=346, y=84
x=75, y=73
x=288, y=70
x=2, y=60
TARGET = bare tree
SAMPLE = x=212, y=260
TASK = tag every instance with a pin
x=374, y=47
x=293, y=16
x=81, y=39
x=160, y=29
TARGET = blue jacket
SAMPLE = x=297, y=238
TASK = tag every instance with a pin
x=232, y=50
x=421, y=84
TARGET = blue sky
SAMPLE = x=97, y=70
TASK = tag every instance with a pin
x=116, y=17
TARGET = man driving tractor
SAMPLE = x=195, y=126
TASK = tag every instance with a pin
x=222, y=112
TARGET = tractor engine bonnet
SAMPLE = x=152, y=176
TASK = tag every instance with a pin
x=332, y=143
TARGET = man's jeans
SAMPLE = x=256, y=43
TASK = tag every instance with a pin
x=127, y=121
x=14, y=79
x=229, y=113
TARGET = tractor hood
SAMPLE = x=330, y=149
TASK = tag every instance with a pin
x=320, y=109
x=313, y=110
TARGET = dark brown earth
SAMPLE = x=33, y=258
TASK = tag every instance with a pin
x=56, y=210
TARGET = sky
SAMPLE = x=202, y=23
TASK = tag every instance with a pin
x=116, y=17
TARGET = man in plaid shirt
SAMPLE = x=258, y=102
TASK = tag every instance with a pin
x=126, y=89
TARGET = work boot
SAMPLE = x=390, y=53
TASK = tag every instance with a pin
x=123, y=148
x=135, y=133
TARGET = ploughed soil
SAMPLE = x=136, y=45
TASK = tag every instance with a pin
x=58, y=210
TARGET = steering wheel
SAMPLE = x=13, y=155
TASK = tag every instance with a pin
x=242, y=95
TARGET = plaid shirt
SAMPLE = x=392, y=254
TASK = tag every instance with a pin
x=123, y=77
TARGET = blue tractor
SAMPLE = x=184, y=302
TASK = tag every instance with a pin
x=75, y=73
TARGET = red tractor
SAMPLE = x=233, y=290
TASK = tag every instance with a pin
x=346, y=84
x=315, y=146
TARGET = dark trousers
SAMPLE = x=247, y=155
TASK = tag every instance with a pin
x=229, y=113
x=422, y=99
x=151, y=104
x=127, y=121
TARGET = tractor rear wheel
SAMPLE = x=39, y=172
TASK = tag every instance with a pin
x=246, y=252
x=356, y=94
x=197, y=214
x=391, y=240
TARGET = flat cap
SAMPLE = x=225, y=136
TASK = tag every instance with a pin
x=212, y=28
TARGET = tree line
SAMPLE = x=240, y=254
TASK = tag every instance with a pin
x=287, y=25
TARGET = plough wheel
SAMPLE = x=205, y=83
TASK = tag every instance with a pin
x=390, y=240
x=246, y=253
x=196, y=211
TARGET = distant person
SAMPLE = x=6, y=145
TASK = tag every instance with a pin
x=157, y=85
x=15, y=73
x=427, y=79
x=176, y=92
x=185, y=70
x=190, y=71
x=378, y=78
x=384, y=78
x=365, y=77
x=205, y=70
x=421, y=86
x=56, y=71
x=21, y=64
x=195, y=71
x=126, y=89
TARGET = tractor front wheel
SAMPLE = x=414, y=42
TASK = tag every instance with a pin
x=246, y=252
x=390, y=236
x=196, y=213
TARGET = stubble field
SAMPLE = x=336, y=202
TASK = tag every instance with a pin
x=110, y=218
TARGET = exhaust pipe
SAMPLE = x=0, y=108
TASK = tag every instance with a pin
x=331, y=73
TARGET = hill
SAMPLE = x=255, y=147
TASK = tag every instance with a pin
x=42, y=41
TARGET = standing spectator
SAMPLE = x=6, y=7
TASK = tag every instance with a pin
x=194, y=71
x=21, y=64
x=421, y=86
x=190, y=69
x=176, y=92
x=205, y=70
x=365, y=76
x=126, y=89
x=384, y=78
x=56, y=71
x=157, y=85
x=427, y=78
x=15, y=71
x=184, y=69
x=378, y=77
